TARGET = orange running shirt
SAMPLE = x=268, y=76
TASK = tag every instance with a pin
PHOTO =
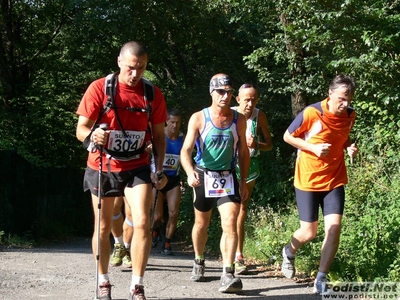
x=316, y=124
x=93, y=101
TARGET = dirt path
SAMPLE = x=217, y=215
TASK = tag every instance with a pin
x=68, y=271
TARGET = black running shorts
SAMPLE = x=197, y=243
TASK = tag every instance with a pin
x=204, y=204
x=114, y=183
x=173, y=181
x=308, y=203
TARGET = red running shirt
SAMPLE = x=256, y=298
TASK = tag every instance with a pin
x=316, y=124
x=92, y=103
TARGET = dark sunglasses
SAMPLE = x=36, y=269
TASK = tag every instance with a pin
x=223, y=91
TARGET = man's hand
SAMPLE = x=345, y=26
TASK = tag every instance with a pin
x=321, y=150
x=149, y=147
x=352, y=150
x=159, y=183
x=194, y=179
x=251, y=142
x=244, y=191
x=99, y=136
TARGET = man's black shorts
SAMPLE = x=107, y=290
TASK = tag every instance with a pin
x=204, y=204
x=114, y=183
x=308, y=203
x=173, y=181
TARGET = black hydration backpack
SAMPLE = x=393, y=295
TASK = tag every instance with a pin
x=110, y=88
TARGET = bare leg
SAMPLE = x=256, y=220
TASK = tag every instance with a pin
x=331, y=242
x=106, y=215
x=139, y=200
x=117, y=224
x=306, y=233
x=174, y=200
x=159, y=211
x=229, y=212
x=199, y=231
x=127, y=229
x=242, y=217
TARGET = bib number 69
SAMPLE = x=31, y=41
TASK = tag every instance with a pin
x=219, y=183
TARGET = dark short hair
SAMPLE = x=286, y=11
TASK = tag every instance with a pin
x=174, y=112
x=135, y=48
x=343, y=80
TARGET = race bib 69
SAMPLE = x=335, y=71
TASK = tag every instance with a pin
x=218, y=184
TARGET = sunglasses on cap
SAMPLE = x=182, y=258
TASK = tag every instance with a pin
x=222, y=92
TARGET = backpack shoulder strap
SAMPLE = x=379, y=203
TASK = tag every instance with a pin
x=148, y=88
x=110, y=86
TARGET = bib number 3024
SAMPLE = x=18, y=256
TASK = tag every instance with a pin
x=218, y=184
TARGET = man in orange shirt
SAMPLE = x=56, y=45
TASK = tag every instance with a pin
x=321, y=134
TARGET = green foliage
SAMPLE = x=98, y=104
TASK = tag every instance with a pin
x=24, y=241
x=371, y=223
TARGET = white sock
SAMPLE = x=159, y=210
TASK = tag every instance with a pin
x=127, y=246
x=136, y=280
x=119, y=240
x=103, y=278
x=320, y=275
x=238, y=255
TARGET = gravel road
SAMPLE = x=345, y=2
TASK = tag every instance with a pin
x=68, y=271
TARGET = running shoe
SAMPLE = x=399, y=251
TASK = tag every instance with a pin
x=117, y=255
x=166, y=249
x=288, y=268
x=104, y=292
x=321, y=287
x=240, y=267
x=127, y=260
x=229, y=283
x=138, y=293
x=198, y=270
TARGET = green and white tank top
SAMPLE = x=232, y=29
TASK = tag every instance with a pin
x=216, y=147
x=251, y=129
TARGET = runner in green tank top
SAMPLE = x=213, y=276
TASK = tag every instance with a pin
x=257, y=126
x=219, y=136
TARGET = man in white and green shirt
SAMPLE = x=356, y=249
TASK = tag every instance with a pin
x=257, y=125
x=219, y=136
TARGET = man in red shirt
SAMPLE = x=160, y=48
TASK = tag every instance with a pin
x=125, y=170
x=321, y=134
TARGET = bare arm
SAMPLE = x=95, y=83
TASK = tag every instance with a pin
x=84, y=128
x=187, y=149
x=267, y=144
x=158, y=147
x=243, y=157
x=319, y=150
